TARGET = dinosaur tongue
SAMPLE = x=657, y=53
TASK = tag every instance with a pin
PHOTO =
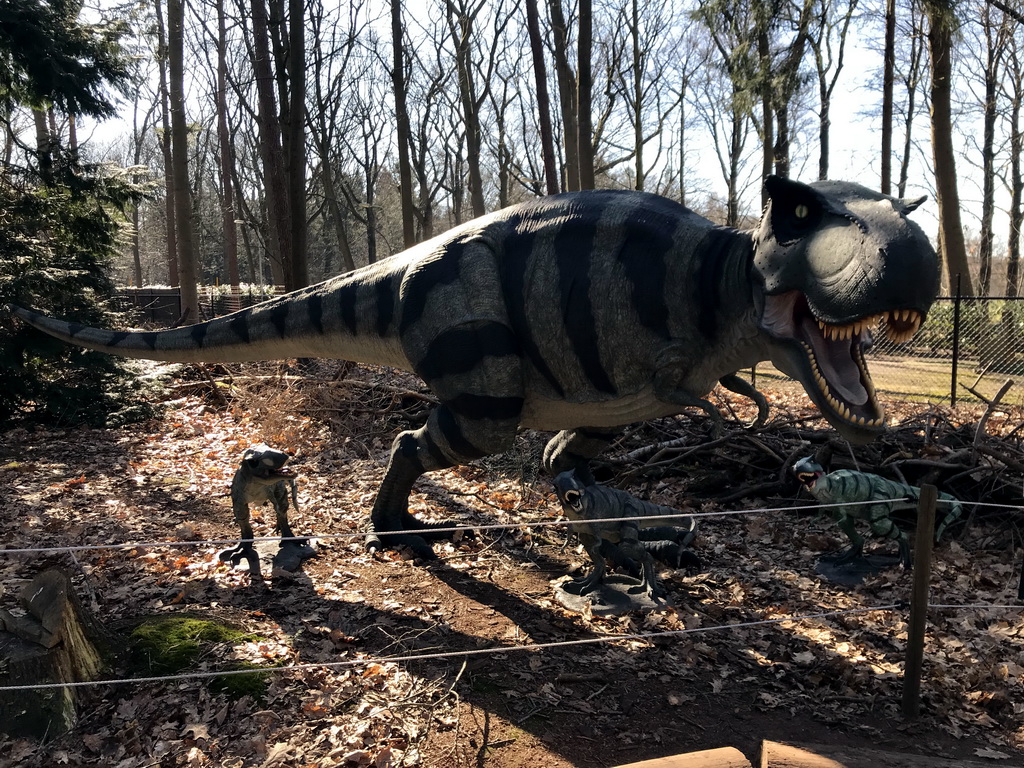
x=836, y=363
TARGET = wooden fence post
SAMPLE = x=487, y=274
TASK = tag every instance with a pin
x=919, y=601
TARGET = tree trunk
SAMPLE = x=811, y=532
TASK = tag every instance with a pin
x=187, y=273
x=888, y=85
x=297, y=267
x=767, y=115
x=1016, y=211
x=951, y=232
x=460, y=21
x=227, y=204
x=584, y=117
x=547, y=141
x=993, y=57
x=271, y=151
x=404, y=132
x=164, y=138
x=566, y=95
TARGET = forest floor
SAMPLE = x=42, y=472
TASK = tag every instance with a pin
x=740, y=674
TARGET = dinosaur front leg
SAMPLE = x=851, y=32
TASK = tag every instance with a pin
x=856, y=548
x=293, y=550
x=448, y=438
x=596, y=548
x=572, y=449
x=734, y=383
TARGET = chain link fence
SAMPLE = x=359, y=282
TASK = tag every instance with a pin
x=967, y=350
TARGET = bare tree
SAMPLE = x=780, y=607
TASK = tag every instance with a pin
x=543, y=100
x=941, y=21
x=402, y=125
x=187, y=273
x=567, y=95
x=827, y=40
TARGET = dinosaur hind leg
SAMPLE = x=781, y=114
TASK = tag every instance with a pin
x=451, y=436
x=573, y=449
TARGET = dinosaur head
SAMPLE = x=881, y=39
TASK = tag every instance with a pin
x=835, y=260
x=570, y=492
x=808, y=471
x=266, y=465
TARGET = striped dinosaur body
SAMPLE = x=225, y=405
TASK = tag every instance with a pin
x=871, y=498
x=589, y=311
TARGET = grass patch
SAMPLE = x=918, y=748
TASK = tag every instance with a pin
x=175, y=643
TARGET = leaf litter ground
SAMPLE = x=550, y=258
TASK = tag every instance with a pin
x=835, y=679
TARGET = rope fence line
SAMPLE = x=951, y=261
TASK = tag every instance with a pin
x=418, y=531
x=348, y=663
x=205, y=674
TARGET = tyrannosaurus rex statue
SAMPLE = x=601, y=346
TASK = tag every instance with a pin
x=588, y=311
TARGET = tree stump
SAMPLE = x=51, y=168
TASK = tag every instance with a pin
x=48, y=643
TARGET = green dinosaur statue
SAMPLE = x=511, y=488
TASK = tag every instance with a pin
x=260, y=478
x=847, y=486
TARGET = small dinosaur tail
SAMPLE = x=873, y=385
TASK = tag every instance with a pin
x=954, y=513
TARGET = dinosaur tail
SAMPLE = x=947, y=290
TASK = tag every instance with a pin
x=351, y=317
x=955, y=510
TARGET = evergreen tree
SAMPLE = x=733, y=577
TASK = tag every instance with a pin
x=60, y=228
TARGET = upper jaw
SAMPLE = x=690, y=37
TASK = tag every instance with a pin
x=825, y=354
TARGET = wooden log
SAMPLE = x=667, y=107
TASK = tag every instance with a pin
x=49, y=643
x=726, y=757
x=778, y=755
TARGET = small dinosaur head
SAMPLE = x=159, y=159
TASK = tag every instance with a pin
x=266, y=464
x=807, y=471
x=834, y=260
x=570, y=492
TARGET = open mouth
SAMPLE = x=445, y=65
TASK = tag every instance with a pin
x=828, y=358
x=807, y=478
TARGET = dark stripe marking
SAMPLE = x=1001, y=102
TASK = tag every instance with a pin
x=348, y=296
x=239, y=324
x=713, y=255
x=279, y=316
x=425, y=278
x=149, y=339
x=199, y=334
x=574, y=250
x=117, y=337
x=457, y=441
x=479, y=407
x=518, y=247
x=315, y=305
x=461, y=349
x=385, y=306
x=643, y=258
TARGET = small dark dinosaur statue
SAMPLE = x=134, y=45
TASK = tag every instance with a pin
x=847, y=486
x=263, y=477
x=589, y=311
x=653, y=531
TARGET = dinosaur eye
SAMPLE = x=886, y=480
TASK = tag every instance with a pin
x=802, y=211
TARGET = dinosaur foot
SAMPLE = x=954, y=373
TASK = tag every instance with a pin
x=244, y=550
x=614, y=595
x=291, y=553
x=417, y=542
